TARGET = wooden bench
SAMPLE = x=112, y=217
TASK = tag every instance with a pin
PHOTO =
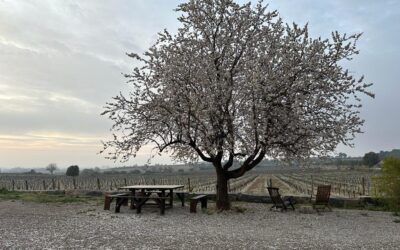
x=137, y=201
x=121, y=199
x=194, y=200
x=109, y=197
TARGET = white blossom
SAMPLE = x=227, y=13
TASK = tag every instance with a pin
x=236, y=82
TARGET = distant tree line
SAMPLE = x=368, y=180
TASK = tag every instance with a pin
x=371, y=158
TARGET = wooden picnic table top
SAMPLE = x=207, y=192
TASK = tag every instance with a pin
x=159, y=187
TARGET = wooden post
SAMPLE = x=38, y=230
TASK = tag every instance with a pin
x=54, y=183
x=312, y=187
x=98, y=184
x=125, y=181
x=74, y=182
x=58, y=185
x=26, y=185
x=363, y=185
x=44, y=185
x=13, y=184
x=154, y=181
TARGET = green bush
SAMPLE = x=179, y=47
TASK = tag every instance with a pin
x=370, y=159
x=388, y=184
x=72, y=170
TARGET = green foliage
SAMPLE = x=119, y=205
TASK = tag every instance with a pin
x=394, y=153
x=370, y=159
x=73, y=171
x=388, y=184
x=43, y=197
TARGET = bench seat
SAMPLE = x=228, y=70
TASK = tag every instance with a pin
x=109, y=197
x=123, y=198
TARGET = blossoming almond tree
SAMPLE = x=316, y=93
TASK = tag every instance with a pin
x=236, y=83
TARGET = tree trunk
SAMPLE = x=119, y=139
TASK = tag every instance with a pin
x=223, y=202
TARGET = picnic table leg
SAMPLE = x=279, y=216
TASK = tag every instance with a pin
x=133, y=199
x=171, y=197
x=139, y=206
x=141, y=201
x=162, y=202
x=118, y=204
x=181, y=196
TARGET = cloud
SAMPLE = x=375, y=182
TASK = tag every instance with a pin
x=61, y=61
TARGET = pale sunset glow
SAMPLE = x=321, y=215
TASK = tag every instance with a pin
x=62, y=61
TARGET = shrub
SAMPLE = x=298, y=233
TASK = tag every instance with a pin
x=370, y=159
x=73, y=171
x=388, y=184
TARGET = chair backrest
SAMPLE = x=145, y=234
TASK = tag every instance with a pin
x=274, y=194
x=323, y=194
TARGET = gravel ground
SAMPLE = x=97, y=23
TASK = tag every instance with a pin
x=25, y=225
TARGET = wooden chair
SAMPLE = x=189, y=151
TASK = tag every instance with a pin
x=276, y=198
x=322, y=197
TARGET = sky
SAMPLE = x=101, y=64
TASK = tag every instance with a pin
x=61, y=61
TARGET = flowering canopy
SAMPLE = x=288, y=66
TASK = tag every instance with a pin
x=236, y=82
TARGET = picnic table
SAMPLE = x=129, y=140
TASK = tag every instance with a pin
x=140, y=194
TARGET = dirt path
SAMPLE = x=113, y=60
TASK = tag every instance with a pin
x=257, y=186
x=284, y=188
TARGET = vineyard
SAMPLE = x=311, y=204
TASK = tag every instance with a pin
x=349, y=184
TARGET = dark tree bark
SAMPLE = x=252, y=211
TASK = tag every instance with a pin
x=223, y=202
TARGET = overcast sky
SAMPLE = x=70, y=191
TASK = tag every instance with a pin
x=60, y=61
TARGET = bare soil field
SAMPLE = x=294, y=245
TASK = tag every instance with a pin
x=284, y=188
x=27, y=225
x=257, y=186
